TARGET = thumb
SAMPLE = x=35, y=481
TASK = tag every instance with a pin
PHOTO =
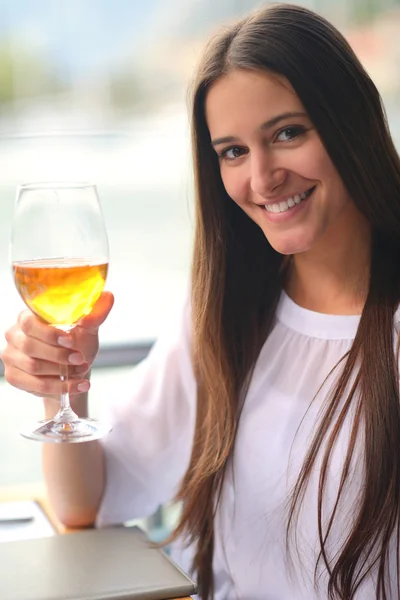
x=99, y=313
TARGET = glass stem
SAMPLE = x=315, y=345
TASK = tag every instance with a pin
x=65, y=414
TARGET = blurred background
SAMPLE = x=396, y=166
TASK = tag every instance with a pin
x=96, y=90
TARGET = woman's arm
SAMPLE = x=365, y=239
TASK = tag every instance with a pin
x=74, y=473
x=34, y=353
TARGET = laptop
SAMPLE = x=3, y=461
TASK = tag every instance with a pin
x=115, y=563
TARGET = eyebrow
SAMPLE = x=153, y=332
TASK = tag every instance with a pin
x=267, y=125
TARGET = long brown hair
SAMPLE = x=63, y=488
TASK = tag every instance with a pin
x=237, y=281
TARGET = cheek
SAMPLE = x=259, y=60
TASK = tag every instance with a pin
x=318, y=165
x=235, y=184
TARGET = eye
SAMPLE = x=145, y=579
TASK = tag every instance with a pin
x=289, y=133
x=232, y=153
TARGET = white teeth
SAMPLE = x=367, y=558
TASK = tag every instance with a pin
x=283, y=206
x=286, y=204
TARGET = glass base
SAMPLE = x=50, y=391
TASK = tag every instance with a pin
x=59, y=432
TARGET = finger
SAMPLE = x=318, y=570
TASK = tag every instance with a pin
x=12, y=357
x=33, y=327
x=43, y=386
x=99, y=313
x=37, y=350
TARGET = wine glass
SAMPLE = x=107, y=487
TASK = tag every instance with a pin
x=59, y=256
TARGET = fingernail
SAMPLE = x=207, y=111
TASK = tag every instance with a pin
x=83, y=387
x=75, y=358
x=64, y=341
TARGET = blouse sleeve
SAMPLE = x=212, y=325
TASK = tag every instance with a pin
x=148, y=450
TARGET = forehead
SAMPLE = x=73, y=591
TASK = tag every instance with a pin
x=243, y=98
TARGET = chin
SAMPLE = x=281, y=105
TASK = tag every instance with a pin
x=290, y=246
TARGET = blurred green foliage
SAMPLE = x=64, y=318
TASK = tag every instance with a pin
x=365, y=11
x=125, y=90
x=6, y=75
x=24, y=74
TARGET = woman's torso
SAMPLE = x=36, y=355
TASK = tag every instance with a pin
x=279, y=419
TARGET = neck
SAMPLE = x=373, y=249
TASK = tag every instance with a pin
x=332, y=277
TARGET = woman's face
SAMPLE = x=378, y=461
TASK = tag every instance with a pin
x=273, y=163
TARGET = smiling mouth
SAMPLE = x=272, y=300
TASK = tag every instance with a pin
x=285, y=205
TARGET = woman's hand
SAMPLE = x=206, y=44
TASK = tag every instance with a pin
x=35, y=351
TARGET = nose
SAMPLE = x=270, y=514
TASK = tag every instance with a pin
x=266, y=175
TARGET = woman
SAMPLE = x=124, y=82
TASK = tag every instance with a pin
x=273, y=411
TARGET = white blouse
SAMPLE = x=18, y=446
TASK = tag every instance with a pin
x=149, y=449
